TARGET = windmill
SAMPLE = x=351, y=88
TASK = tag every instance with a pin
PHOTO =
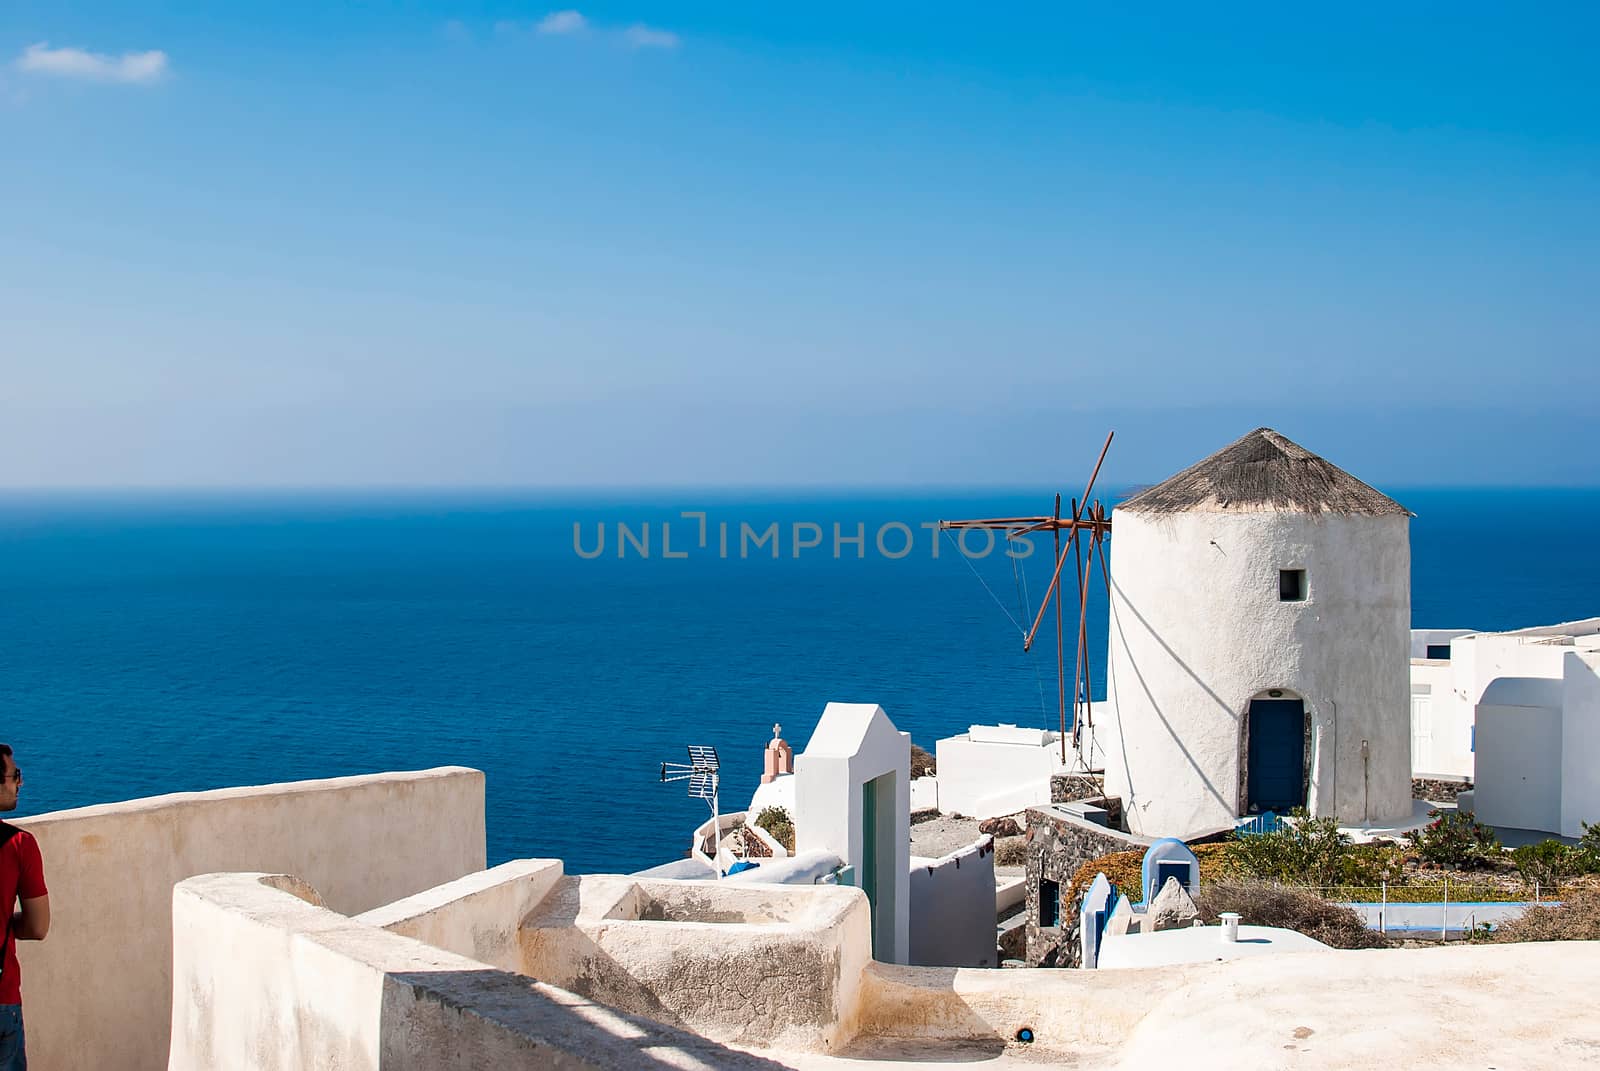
x=1084, y=518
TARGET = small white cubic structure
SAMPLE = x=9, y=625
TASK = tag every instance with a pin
x=1518, y=726
x=1260, y=612
x=994, y=770
x=853, y=799
x=1533, y=699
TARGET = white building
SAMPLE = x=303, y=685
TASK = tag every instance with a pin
x=1441, y=714
x=1518, y=713
x=1259, y=620
x=992, y=770
x=852, y=792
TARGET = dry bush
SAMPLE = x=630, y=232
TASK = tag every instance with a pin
x=1120, y=868
x=1261, y=904
x=922, y=763
x=1011, y=851
x=1577, y=918
x=1213, y=861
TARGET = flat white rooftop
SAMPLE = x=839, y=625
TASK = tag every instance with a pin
x=1006, y=733
x=1200, y=944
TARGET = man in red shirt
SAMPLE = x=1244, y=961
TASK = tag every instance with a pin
x=21, y=877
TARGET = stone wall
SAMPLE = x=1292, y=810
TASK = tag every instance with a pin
x=1058, y=844
x=1065, y=788
x=1438, y=789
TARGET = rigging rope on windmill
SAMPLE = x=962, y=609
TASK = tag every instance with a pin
x=1083, y=518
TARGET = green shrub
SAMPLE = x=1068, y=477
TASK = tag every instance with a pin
x=1589, y=848
x=776, y=820
x=1454, y=838
x=1304, y=851
x=1549, y=863
x=1374, y=863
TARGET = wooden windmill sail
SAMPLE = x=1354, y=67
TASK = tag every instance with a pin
x=1085, y=518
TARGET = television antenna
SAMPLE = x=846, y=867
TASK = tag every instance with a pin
x=702, y=771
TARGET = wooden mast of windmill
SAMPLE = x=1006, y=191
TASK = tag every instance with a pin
x=1084, y=518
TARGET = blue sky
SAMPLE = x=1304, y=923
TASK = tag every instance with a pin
x=296, y=243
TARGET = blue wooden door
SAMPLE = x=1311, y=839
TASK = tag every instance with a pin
x=1276, y=780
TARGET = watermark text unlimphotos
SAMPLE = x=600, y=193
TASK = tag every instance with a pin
x=696, y=534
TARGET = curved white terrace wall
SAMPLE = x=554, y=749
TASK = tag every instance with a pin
x=98, y=991
x=1197, y=629
x=267, y=979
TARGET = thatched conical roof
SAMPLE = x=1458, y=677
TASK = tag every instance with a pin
x=1263, y=472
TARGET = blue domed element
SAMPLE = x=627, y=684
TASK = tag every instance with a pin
x=1168, y=858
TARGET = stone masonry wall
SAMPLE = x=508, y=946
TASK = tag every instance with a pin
x=1438, y=789
x=1066, y=788
x=1058, y=844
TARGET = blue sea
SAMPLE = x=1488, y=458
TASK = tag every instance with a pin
x=154, y=643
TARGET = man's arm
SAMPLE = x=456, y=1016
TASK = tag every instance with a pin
x=32, y=923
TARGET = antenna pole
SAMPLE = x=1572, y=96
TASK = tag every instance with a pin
x=716, y=827
x=703, y=772
x=1061, y=666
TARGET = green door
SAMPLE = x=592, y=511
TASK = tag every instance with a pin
x=869, y=853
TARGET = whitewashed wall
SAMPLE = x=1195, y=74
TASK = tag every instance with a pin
x=1441, y=711
x=855, y=743
x=1580, y=742
x=478, y=915
x=953, y=908
x=1423, y=638
x=290, y=985
x=1477, y=662
x=267, y=979
x=98, y=991
x=1197, y=630
x=1454, y=688
x=984, y=779
x=1441, y=724
x=1519, y=766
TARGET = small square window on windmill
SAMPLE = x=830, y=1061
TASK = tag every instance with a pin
x=1291, y=585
